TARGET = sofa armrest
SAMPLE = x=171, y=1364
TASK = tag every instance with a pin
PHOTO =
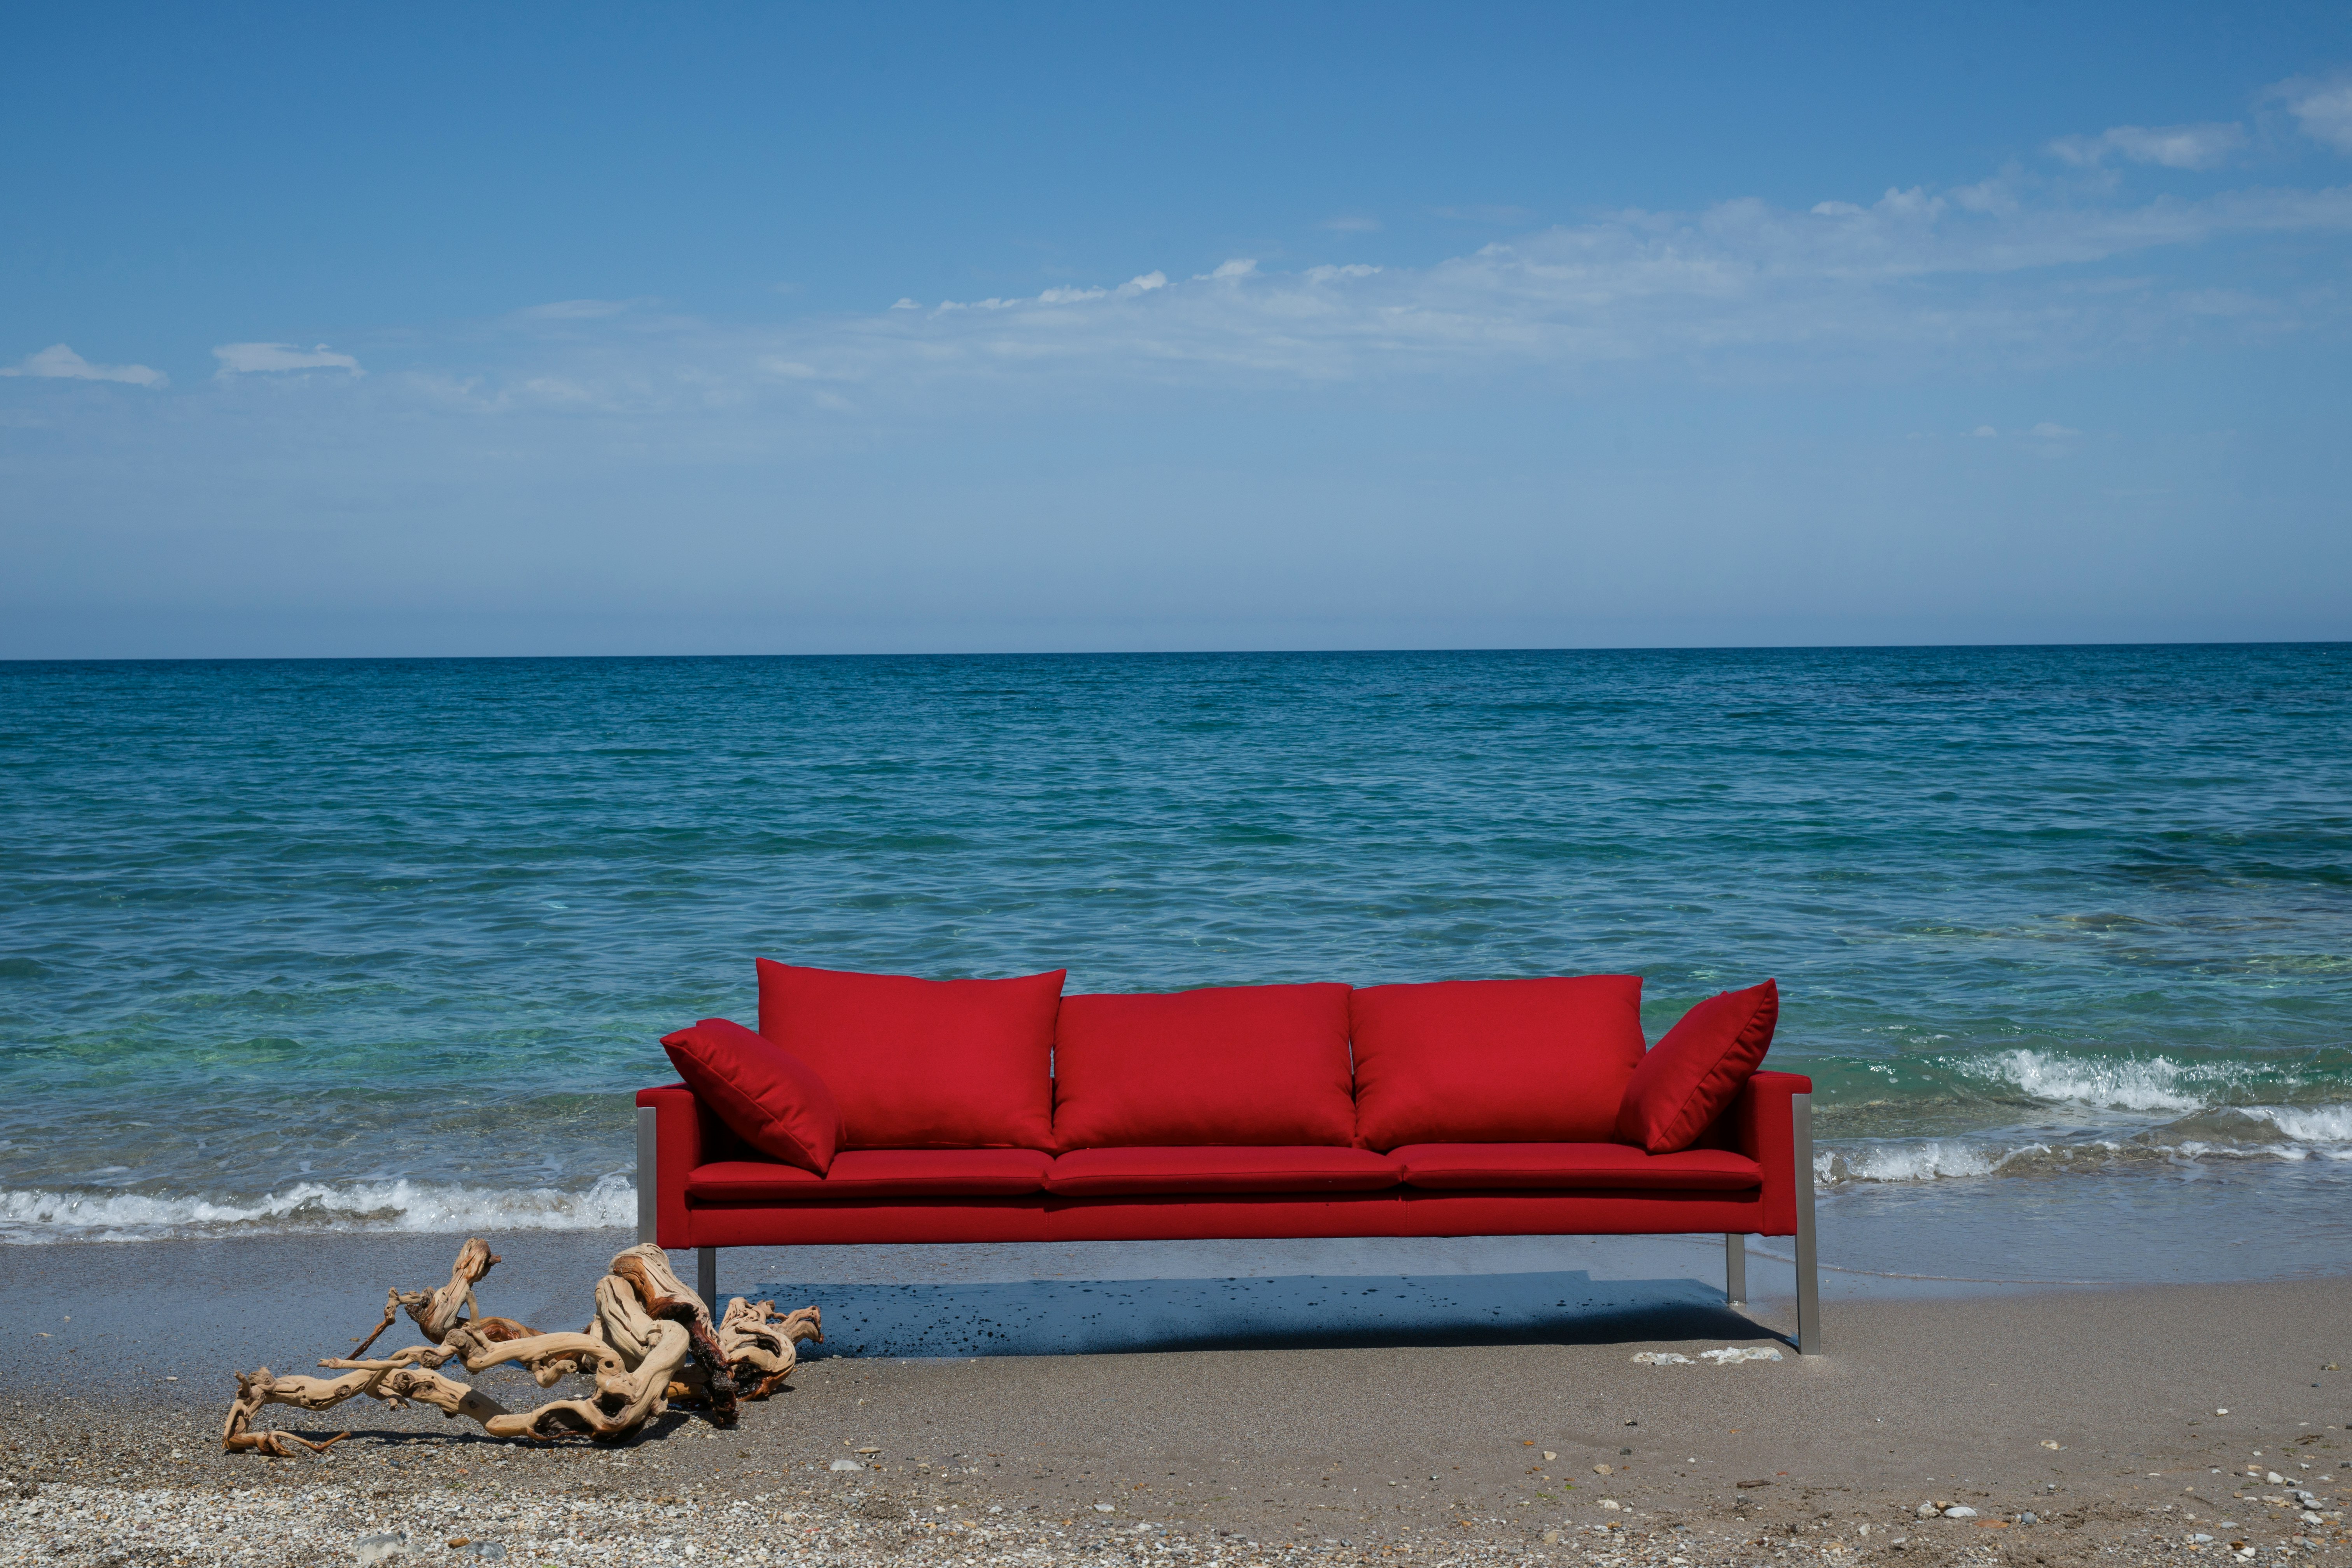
x=1760, y=1129
x=679, y=1138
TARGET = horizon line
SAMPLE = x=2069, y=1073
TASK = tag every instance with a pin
x=1170, y=653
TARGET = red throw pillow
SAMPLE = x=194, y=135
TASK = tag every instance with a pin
x=773, y=1101
x=1234, y=1064
x=1495, y=1061
x=922, y=1064
x=1698, y=1069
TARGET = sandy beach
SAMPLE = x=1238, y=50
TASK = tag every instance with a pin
x=1419, y=1450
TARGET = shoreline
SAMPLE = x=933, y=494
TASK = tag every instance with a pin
x=1297, y=1451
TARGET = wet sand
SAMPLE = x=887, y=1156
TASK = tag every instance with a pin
x=1481, y=1440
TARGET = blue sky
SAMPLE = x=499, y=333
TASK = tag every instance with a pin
x=413, y=331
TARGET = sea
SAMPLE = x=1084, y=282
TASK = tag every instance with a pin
x=2064, y=934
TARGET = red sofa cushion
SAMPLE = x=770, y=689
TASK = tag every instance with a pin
x=1257, y=1168
x=1697, y=1069
x=1495, y=1061
x=768, y=1097
x=1239, y=1064
x=876, y=1173
x=1498, y=1167
x=922, y=1064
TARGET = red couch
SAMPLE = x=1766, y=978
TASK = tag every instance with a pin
x=881, y=1109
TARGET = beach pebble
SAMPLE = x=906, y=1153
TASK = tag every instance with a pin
x=380, y=1547
x=2274, y=1478
x=1928, y=1510
x=1102, y=1508
x=1603, y=1469
x=2028, y=1517
x=846, y=1465
x=1960, y=1511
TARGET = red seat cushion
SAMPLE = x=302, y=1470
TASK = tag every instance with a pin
x=768, y=1097
x=876, y=1173
x=922, y=1064
x=1495, y=1061
x=1535, y=1165
x=1240, y=1064
x=1698, y=1069
x=1262, y=1168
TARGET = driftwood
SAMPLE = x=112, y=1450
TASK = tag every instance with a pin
x=653, y=1342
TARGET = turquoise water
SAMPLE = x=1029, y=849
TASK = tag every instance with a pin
x=389, y=943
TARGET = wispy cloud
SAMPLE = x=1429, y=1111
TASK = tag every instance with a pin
x=1509, y=215
x=582, y=310
x=2009, y=269
x=59, y=362
x=248, y=359
x=2205, y=146
x=2322, y=108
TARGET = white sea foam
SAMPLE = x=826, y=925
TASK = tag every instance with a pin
x=38, y=1215
x=2232, y=1134
x=2146, y=1083
x=1919, y=1160
x=2311, y=1124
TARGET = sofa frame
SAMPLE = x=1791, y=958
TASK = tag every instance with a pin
x=1780, y=1139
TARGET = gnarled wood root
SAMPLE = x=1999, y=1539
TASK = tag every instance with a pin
x=759, y=1343
x=653, y=1340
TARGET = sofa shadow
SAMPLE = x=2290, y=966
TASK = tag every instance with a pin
x=1104, y=1317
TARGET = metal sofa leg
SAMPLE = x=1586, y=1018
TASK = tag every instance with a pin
x=705, y=1278
x=649, y=1171
x=1808, y=1269
x=1734, y=1269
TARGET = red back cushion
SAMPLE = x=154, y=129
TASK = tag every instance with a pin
x=1698, y=1069
x=1239, y=1064
x=768, y=1097
x=1495, y=1061
x=922, y=1064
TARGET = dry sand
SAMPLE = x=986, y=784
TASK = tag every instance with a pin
x=1422, y=1452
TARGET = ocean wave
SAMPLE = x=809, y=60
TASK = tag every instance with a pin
x=2307, y=1124
x=2230, y=1133
x=2105, y=1083
x=394, y=1205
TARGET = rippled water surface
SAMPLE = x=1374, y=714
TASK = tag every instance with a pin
x=390, y=944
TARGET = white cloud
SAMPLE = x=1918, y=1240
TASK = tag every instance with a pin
x=2205, y=146
x=59, y=362
x=243, y=359
x=1984, y=430
x=2050, y=432
x=2010, y=271
x=2323, y=108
